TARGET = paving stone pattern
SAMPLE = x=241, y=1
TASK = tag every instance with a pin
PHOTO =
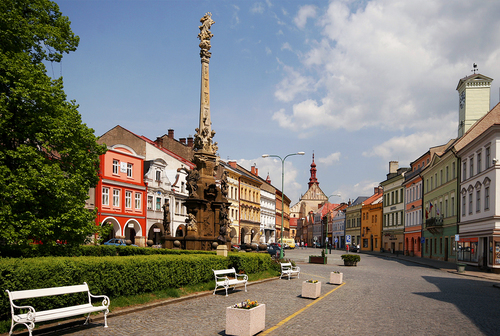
x=381, y=296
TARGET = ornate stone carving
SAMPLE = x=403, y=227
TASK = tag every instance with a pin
x=166, y=218
x=192, y=182
x=191, y=223
x=205, y=35
x=223, y=184
x=224, y=223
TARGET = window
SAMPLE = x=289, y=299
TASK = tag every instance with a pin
x=116, y=197
x=487, y=198
x=158, y=175
x=105, y=196
x=478, y=163
x=396, y=196
x=401, y=196
x=158, y=203
x=138, y=201
x=470, y=203
x=150, y=202
x=471, y=170
x=432, y=185
x=447, y=174
x=478, y=200
x=463, y=205
x=128, y=199
x=445, y=208
x=452, y=170
x=487, y=157
x=452, y=212
x=464, y=172
x=441, y=176
x=129, y=169
x=116, y=166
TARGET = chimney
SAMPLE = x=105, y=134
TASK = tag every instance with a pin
x=190, y=141
x=378, y=190
x=232, y=163
x=159, y=141
x=393, y=167
x=255, y=170
x=171, y=133
x=183, y=141
x=268, y=179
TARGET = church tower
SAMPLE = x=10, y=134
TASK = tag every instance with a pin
x=473, y=100
x=313, y=179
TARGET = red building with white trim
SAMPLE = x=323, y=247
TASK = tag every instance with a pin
x=121, y=194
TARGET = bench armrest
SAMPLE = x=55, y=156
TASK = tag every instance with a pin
x=296, y=269
x=30, y=315
x=105, y=299
x=244, y=276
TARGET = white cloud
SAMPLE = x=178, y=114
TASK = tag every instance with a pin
x=330, y=159
x=272, y=166
x=386, y=65
x=305, y=12
x=258, y=8
x=268, y=51
x=293, y=84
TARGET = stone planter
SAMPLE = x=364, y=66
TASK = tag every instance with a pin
x=245, y=322
x=317, y=260
x=336, y=278
x=311, y=290
x=460, y=268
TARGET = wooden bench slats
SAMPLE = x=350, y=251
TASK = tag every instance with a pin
x=34, y=293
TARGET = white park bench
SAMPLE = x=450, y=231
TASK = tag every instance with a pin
x=33, y=316
x=288, y=270
x=228, y=277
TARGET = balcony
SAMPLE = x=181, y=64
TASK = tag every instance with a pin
x=434, y=225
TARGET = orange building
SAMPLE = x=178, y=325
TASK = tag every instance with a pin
x=371, y=221
x=120, y=194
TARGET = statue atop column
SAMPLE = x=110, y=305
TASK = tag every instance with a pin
x=204, y=133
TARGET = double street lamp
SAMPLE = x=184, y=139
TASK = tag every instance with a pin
x=282, y=192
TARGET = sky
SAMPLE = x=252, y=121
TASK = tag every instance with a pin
x=356, y=83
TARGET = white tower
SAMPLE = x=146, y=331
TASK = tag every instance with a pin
x=473, y=99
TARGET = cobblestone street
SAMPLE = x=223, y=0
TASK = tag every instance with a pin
x=381, y=296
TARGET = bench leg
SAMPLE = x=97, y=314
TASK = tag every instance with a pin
x=87, y=320
x=106, y=318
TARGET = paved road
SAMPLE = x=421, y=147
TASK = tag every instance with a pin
x=381, y=296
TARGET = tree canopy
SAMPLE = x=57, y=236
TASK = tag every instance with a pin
x=49, y=159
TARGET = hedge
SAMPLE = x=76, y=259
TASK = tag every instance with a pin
x=112, y=276
x=34, y=251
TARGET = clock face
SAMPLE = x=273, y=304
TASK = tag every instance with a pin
x=462, y=99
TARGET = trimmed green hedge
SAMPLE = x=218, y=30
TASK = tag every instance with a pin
x=112, y=276
x=34, y=251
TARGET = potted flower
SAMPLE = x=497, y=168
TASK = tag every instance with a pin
x=350, y=259
x=311, y=289
x=319, y=259
x=245, y=318
x=336, y=277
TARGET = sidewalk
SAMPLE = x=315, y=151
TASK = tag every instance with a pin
x=446, y=266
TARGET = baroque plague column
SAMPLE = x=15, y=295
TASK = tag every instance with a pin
x=207, y=225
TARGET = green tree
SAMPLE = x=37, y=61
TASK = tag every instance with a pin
x=49, y=159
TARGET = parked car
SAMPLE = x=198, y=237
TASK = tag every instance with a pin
x=118, y=242
x=353, y=248
x=274, y=250
x=236, y=247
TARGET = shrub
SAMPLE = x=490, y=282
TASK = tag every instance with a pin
x=350, y=257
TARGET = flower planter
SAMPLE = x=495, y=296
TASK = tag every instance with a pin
x=311, y=290
x=460, y=268
x=336, y=278
x=317, y=260
x=245, y=322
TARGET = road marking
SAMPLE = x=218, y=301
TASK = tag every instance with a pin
x=265, y=332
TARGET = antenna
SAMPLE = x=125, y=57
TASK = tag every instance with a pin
x=474, y=66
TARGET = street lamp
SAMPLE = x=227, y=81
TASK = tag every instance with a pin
x=326, y=226
x=282, y=192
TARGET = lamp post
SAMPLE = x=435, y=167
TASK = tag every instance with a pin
x=282, y=192
x=326, y=226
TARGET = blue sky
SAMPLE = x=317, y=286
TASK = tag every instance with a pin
x=359, y=83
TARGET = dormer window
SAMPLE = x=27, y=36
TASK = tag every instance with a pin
x=158, y=175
